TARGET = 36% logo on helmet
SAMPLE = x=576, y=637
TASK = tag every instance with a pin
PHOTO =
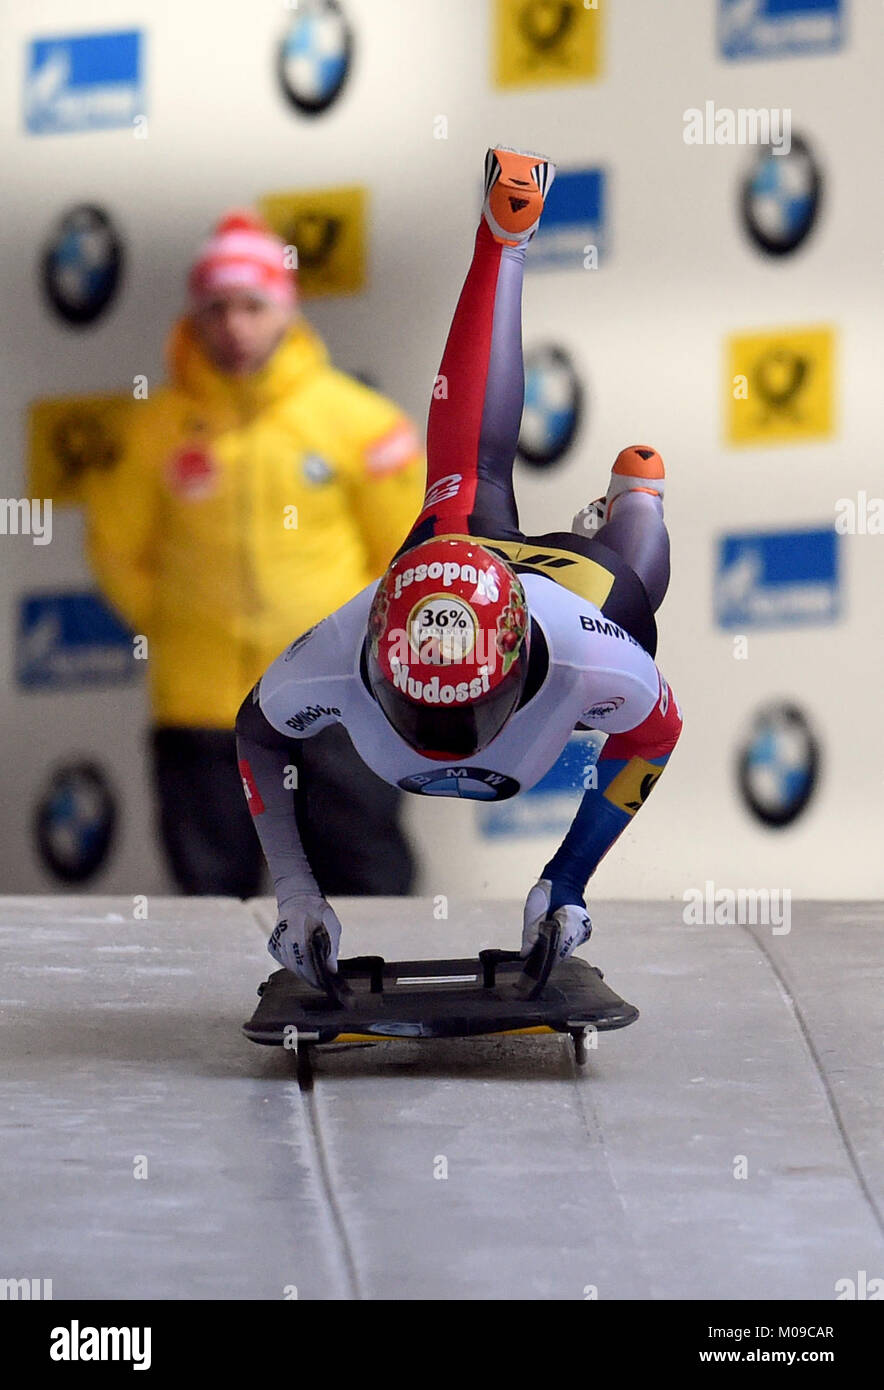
x=442, y=630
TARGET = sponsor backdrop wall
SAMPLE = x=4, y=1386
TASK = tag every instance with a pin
x=718, y=300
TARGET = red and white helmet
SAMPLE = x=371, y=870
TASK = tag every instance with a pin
x=447, y=646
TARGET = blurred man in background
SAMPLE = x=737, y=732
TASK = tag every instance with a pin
x=257, y=492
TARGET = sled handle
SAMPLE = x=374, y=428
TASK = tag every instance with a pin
x=537, y=966
x=358, y=967
x=335, y=987
x=541, y=961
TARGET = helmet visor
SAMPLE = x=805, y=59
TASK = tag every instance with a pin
x=452, y=731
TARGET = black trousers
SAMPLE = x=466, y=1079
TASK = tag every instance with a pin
x=209, y=837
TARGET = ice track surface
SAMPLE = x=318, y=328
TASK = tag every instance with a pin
x=121, y=1048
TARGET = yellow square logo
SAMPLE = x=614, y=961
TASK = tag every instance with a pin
x=69, y=437
x=632, y=785
x=780, y=386
x=546, y=43
x=327, y=230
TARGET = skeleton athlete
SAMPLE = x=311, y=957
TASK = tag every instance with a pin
x=466, y=668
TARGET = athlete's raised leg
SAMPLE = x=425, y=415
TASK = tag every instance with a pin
x=474, y=417
x=629, y=518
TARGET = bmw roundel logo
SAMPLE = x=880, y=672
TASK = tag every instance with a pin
x=778, y=764
x=781, y=197
x=82, y=264
x=553, y=406
x=464, y=783
x=315, y=55
x=74, y=821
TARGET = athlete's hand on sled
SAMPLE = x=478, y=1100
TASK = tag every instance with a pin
x=572, y=918
x=290, y=939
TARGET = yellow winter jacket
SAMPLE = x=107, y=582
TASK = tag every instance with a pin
x=243, y=510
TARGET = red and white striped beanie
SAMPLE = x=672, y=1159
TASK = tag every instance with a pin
x=243, y=253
